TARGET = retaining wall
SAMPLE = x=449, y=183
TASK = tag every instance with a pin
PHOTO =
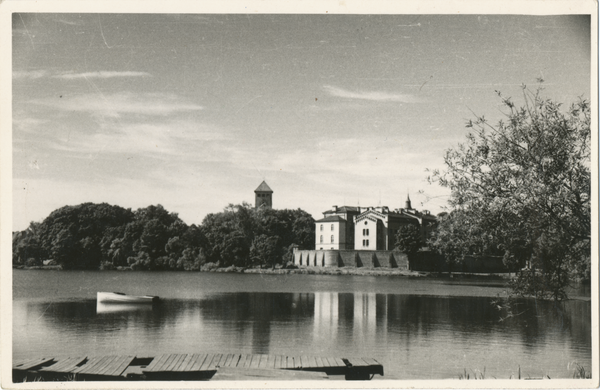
x=351, y=258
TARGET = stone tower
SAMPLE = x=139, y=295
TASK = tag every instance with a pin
x=263, y=196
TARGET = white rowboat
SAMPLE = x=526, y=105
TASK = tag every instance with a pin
x=116, y=297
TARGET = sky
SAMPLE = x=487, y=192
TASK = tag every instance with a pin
x=194, y=111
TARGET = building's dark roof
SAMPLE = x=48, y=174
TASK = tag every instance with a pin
x=263, y=187
x=343, y=209
x=333, y=218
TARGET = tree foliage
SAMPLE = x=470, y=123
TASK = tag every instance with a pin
x=408, y=239
x=243, y=236
x=92, y=236
x=521, y=188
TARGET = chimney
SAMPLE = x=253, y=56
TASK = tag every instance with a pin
x=334, y=209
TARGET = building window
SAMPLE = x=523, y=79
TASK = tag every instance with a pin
x=367, y=242
x=321, y=239
x=332, y=239
x=365, y=232
x=331, y=227
x=321, y=227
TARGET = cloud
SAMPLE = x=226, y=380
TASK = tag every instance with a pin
x=378, y=96
x=100, y=75
x=113, y=105
x=181, y=139
x=28, y=74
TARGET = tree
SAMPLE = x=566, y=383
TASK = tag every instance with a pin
x=522, y=188
x=408, y=239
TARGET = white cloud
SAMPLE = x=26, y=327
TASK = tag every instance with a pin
x=28, y=74
x=379, y=96
x=174, y=138
x=113, y=105
x=100, y=75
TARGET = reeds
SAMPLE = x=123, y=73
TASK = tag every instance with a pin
x=579, y=372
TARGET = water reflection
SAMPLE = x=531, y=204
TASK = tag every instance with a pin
x=413, y=336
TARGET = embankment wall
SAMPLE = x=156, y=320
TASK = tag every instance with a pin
x=351, y=258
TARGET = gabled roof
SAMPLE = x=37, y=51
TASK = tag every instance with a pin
x=263, y=187
x=333, y=218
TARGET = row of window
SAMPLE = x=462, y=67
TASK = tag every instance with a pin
x=332, y=228
x=332, y=239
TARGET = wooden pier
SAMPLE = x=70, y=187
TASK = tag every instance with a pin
x=195, y=367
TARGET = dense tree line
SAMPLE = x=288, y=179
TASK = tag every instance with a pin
x=92, y=236
x=522, y=189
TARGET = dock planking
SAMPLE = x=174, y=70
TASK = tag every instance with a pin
x=31, y=364
x=105, y=366
x=65, y=365
x=195, y=366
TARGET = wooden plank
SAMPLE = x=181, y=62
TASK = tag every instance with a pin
x=207, y=362
x=65, y=365
x=255, y=361
x=224, y=357
x=154, y=363
x=174, y=362
x=92, y=365
x=262, y=363
x=187, y=361
x=99, y=363
x=235, y=358
x=167, y=363
x=110, y=362
x=312, y=362
x=371, y=361
x=117, y=366
x=340, y=362
x=297, y=362
x=215, y=362
x=240, y=374
x=357, y=362
x=180, y=362
x=303, y=361
x=228, y=360
x=319, y=362
x=244, y=361
x=29, y=364
x=114, y=360
x=198, y=363
x=277, y=363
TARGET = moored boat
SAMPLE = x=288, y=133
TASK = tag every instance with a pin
x=117, y=297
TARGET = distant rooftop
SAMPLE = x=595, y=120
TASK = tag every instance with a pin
x=263, y=187
x=332, y=218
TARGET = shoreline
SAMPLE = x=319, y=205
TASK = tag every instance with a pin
x=354, y=271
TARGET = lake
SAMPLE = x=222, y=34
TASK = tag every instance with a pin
x=418, y=328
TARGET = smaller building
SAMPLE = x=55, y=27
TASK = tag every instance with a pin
x=263, y=196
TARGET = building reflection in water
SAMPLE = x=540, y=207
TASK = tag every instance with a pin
x=407, y=333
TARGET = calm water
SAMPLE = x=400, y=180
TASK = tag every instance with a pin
x=417, y=328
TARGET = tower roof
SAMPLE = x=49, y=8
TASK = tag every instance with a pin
x=263, y=187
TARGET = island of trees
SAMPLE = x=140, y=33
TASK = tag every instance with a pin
x=93, y=236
